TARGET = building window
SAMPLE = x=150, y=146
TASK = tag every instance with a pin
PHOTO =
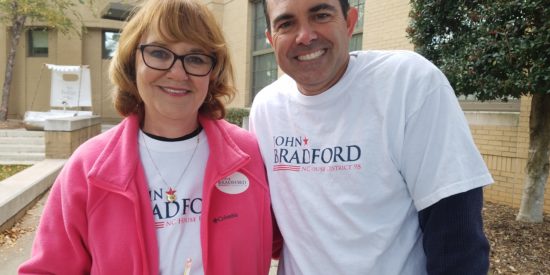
x=264, y=66
x=356, y=42
x=265, y=71
x=38, y=42
x=109, y=43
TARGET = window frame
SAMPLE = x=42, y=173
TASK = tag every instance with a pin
x=34, y=51
x=105, y=53
x=258, y=52
x=358, y=30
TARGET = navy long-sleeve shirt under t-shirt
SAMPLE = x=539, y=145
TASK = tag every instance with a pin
x=453, y=237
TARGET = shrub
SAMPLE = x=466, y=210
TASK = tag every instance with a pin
x=236, y=115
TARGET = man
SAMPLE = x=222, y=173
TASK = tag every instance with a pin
x=371, y=164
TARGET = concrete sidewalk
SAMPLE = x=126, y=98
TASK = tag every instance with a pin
x=12, y=255
x=21, y=203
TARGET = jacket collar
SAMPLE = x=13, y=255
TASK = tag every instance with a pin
x=225, y=155
x=117, y=165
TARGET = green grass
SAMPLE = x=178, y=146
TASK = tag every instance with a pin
x=7, y=171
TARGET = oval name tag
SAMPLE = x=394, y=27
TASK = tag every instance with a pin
x=234, y=184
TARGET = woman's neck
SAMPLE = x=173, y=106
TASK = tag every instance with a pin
x=170, y=128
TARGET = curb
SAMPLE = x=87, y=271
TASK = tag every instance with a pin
x=20, y=191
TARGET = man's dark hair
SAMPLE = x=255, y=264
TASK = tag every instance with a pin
x=343, y=3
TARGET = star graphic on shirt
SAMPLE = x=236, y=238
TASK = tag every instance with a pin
x=170, y=191
x=306, y=141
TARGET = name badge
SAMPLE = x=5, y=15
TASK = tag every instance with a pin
x=234, y=184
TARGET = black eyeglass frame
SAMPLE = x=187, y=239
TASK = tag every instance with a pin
x=176, y=57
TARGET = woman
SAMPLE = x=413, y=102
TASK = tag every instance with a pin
x=172, y=189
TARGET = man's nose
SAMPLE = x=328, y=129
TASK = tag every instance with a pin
x=306, y=34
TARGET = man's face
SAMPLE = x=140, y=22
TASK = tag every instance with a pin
x=310, y=39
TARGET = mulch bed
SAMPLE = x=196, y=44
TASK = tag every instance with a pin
x=516, y=247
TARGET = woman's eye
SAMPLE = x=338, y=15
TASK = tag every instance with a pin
x=160, y=54
x=196, y=59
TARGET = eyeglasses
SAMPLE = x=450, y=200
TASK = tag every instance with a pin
x=160, y=58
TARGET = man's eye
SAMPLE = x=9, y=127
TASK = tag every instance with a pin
x=284, y=25
x=322, y=17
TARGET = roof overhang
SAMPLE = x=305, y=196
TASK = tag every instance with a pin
x=117, y=11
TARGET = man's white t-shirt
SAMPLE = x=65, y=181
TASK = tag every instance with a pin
x=350, y=168
x=177, y=223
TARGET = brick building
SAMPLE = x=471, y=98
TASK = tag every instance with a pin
x=501, y=130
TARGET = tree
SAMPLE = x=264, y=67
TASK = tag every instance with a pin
x=495, y=50
x=54, y=14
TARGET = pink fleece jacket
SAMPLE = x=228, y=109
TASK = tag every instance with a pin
x=98, y=218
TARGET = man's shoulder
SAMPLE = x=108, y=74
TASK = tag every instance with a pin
x=402, y=63
x=379, y=57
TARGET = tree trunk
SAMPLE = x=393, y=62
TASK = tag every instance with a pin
x=538, y=161
x=18, y=23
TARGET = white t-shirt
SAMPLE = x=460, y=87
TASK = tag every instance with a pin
x=177, y=223
x=350, y=168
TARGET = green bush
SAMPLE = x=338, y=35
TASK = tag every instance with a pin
x=236, y=115
x=490, y=49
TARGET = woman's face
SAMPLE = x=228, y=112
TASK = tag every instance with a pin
x=170, y=95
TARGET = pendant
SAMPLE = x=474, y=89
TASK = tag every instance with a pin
x=188, y=264
x=171, y=195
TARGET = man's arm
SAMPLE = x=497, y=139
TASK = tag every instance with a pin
x=454, y=241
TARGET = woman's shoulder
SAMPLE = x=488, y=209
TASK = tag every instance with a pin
x=244, y=139
x=235, y=132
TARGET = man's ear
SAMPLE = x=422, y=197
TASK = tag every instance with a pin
x=269, y=38
x=353, y=14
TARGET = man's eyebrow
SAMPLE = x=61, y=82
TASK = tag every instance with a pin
x=323, y=6
x=314, y=9
x=282, y=17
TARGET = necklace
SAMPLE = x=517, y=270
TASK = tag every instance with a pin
x=171, y=193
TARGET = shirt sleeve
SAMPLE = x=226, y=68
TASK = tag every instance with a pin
x=453, y=237
x=439, y=157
